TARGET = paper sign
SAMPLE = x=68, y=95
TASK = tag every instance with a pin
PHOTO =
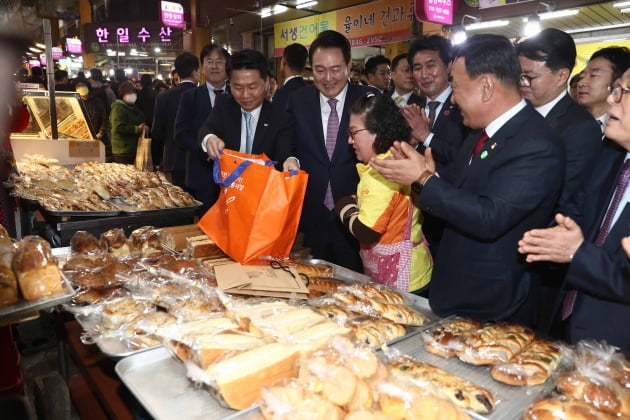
x=259, y=281
x=83, y=148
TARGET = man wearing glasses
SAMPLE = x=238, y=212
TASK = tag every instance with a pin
x=547, y=60
x=194, y=107
x=588, y=238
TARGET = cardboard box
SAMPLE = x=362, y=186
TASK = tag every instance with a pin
x=174, y=237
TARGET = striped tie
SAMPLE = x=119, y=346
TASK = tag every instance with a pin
x=331, y=140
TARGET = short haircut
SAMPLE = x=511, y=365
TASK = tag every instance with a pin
x=119, y=74
x=207, y=50
x=383, y=118
x=374, y=62
x=397, y=60
x=490, y=54
x=619, y=57
x=248, y=59
x=295, y=56
x=146, y=80
x=96, y=74
x=433, y=43
x=575, y=79
x=552, y=46
x=60, y=75
x=331, y=39
x=185, y=64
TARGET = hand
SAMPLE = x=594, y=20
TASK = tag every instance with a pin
x=214, y=144
x=557, y=244
x=406, y=166
x=141, y=126
x=625, y=243
x=290, y=164
x=418, y=122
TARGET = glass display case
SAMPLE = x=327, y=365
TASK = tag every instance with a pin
x=73, y=122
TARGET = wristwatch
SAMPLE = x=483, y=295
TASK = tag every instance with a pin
x=422, y=179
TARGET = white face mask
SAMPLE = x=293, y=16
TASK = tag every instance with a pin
x=130, y=98
x=83, y=90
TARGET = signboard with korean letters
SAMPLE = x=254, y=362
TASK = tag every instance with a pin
x=100, y=37
x=172, y=14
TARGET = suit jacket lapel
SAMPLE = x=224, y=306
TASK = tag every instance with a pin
x=263, y=125
x=557, y=112
x=440, y=119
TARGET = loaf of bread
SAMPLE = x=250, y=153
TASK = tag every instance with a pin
x=204, y=350
x=8, y=281
x=84, y=242
x=285, y=323
x=115, y=242
x=145, y=240
x=202, y=246
x=552, y=408
x=598, y=391
x=36, y=269
x=533, y=366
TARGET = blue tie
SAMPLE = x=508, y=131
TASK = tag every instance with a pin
x=248, y=132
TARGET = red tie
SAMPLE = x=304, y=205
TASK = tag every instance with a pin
x=218, y=91
x=481, y=141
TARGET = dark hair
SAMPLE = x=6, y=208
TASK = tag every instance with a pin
x=146, y=80
x=433, y=43
x=619, y=57
x=248, y=59
x=96, y=75
x=119, y=74
x=574, y=79
x=295, y=56
x=80, y=81
x=331, y=39
x=185, y=64
x=60, y=75
x=383, y=118
x=207, y=50
x=552, y=46
x=490, y=54
x=125, y=87
x=374, y=62
x=397, y=60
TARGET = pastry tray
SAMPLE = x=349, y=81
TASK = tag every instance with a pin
x=24, y=307
x=510, y=401
x=82, y=213
x=132, y=210
x=160, y=384
x=339, y=272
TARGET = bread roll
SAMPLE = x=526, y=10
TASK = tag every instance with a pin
x=551, y=409
x=83, y=241
x=115, y=242
x=36, y=269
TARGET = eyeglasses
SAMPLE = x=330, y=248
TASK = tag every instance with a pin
x=527, y=80
x=214, y=62
x=617, y=93
x=353, y=133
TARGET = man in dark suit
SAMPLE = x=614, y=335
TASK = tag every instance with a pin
x=320, y=115
x=163, y=128
x=547, y=60
x=504, y=181
x=434, y=120
x=194, y=107
x=291, y=68
x=588, y=237
x=403, y=81
x=378, y=72
x=244, y=120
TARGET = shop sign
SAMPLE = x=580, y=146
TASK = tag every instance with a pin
x=172, y=14
x=74, y=46
x=372, y=24
x=434, y=11
x=101, y=36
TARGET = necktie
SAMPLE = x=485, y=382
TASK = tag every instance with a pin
x=432, y=107
x=481, y=141
x=249, y=139
x=622, y=184
x=218, y=91
x=331, y=140
x=399, y=100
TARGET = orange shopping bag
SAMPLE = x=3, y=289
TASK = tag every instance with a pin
x=258, y=209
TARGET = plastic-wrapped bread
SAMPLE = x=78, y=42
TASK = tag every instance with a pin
x=116, y=243
x=555, y=409
x=84, y=242
x=36, y=269
x=8, y=281
x=533, y=366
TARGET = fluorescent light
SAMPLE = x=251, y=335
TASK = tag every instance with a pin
x=35, y=50
x=459, y=37
x=305, y=4
x=40, y=45
x=278, y=8
x=486, y=25
x=625, y=10
x=622, y=4
x=532, y=27
x=556, y=14
x=598, y=28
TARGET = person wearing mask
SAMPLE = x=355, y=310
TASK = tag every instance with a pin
x=588, y=238
x=505, y=180
x=194, y=107
x=381, y=215
x=97, y=111
x=127, y=122
x=245, y=120
x=291, y=68
x=604, y=67
x=378, y=72
x=173, y=158
x=320, y=115
x=403, y=81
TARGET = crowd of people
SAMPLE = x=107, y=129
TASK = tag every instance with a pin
x=481, y=175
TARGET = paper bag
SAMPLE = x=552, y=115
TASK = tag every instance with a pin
x=144, y=161
x=258, y=209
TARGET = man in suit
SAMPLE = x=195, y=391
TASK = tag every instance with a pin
x=163, y=128
x=320, y=115
x=244, y=120
x=291, y=68
x=403, y=81
x=547, y=60
x=434, y=120
x=505, y=180
x=194, y=107
x=378, y=72
x=588, y=238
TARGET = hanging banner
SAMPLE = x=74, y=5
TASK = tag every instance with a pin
x=172, y=14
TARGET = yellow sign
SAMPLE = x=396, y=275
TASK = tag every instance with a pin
x=585, y=51
x=303, y=31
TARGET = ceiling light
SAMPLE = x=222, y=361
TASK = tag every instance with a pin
x=279, y=8
x=157, y=49
x=35, y=50
x=622, y=4
x=305, y=4
x=40, y=45
x=532, y=27
x=459, y=36
x=556, y=14
x=486, y=25
x=598, y=28
x=625, y=10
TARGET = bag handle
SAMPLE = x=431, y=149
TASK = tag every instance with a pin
x=407, y=232
x=236, y=172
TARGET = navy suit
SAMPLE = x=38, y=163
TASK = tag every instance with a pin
x=163, y=131
x=281, y=97
x=326, y=236
x=194, y=108
x=600, y=274
x=274, y=134
x=487, y=206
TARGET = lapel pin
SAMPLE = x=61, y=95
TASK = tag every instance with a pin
x=265, y=125
x=484, y=154
x=493, y=146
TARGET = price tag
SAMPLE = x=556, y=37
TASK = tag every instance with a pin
x=83, y=148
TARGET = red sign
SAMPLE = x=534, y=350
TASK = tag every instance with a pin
x=434, y=11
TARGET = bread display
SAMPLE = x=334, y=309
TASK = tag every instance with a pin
x=311, y=270
x=8, y=281
x=553, y=408
x=533, y=366
x=36, y=269
x=446, y=339
x=83, y=241
x=146, y=240
x=115, y=242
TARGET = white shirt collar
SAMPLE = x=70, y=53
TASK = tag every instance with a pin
x=255, y=114
x=499, y=122
x=601, y=120
x=212, y=88
x=341, y=97
x=546, y=108
x=442, y=97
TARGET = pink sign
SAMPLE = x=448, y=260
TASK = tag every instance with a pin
x=74, y=46
x=173, y=14
x=57, y=53
x=434, y=11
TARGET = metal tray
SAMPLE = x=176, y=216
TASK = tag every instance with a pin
x=23, y=307
x=341, y=273
x=82, y=213
x=510, y=401
x=159, y=382
x=132, y=210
